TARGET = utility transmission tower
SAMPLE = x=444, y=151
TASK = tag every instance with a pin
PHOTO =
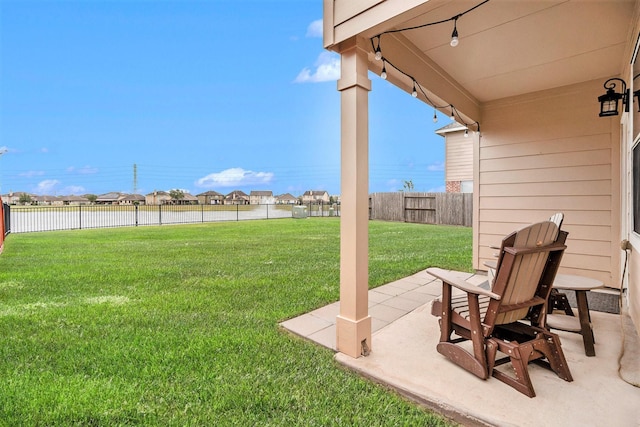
x=135, y=179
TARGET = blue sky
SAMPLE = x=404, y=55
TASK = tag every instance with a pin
x=199, y=95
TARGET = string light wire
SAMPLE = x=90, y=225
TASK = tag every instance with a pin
x=377, y=48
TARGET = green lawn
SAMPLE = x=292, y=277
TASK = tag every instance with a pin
x=178, y=325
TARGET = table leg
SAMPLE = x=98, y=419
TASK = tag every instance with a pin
x=585, y=323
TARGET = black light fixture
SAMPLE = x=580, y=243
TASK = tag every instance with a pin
x=636, y=93
x=609, y=101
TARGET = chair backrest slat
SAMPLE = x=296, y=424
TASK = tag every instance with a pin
x=518, y=275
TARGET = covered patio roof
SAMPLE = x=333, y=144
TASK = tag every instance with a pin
x=506, y=48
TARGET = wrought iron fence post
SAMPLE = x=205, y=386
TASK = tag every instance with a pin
x=237, y=212
x=159, y=214
x=80, y=217
x=136, y=213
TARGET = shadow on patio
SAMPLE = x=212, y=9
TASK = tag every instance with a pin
x=404, y=357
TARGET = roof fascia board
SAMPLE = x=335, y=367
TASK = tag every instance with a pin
x=342, y=20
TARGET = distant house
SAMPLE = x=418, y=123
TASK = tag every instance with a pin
x=458, y=161
x=315, y=196
x=132, y=199
x=187, y=199
x=261, y=198
x=47, y=200
x=236, y=197
x=210, y=198
x=75, y=200
x=108, y=198
x=286, y=199
x=13, y=198
x=157, y=198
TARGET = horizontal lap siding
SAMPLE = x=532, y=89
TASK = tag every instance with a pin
x=545, y=153
x=459, y=157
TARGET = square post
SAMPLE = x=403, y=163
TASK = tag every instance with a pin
x=353, y=324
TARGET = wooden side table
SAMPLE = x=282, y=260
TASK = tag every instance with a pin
x=582, y=324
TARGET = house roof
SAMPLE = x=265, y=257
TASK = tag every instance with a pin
x=133, y=197
x=451, y=127
x=237, y=193
x=315, y=193
x=109, y=196
x=264, y=193
x=211, y=193
x=286, y=196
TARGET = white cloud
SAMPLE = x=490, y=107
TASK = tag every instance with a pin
x=234, y=177
x=47, y=186
x=315, y=29
x=327, y=68
x=436, y=167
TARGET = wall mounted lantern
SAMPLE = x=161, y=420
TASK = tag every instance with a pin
x=636, y=93
x=609, y=101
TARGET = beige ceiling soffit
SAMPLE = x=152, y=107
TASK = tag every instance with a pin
x=383, y=16
x=546, y=94
x=403, y=54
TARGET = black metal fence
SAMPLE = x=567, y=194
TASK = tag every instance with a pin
x=6, y=210
x=24, y=219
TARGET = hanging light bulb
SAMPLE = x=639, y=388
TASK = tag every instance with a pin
x=415, y=91
x=383, y=74
x=435, y=118
x=378, y=52
x=452, y=117
x=454, y=35
x=466, y=133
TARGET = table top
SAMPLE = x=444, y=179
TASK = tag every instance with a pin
x=576, y=283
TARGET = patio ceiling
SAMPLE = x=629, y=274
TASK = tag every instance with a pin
x=508, y=47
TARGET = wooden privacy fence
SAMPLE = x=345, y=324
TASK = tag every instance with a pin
x=424, y=208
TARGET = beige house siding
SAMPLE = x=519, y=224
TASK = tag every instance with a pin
x=458, y=157
x=549, y=152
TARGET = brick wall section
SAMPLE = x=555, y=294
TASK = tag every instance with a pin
x=453, y=186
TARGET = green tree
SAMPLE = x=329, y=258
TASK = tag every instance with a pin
x=91, y=198
x=25, y=199
x=407, y=186
x=176, y=195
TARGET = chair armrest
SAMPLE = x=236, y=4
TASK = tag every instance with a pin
x=450, y=278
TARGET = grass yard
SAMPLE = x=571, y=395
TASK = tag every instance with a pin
x=178, y=325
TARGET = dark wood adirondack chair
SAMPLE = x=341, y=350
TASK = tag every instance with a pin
x=492, y=318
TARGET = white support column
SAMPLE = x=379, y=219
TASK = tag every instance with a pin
x=353, y=324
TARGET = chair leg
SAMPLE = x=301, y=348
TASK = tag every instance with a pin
x=559, y=301
x=475, y=363
x=549, y=345
x=519, y=357
x=463, y=358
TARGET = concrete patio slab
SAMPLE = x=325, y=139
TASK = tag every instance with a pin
x=404, y=357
